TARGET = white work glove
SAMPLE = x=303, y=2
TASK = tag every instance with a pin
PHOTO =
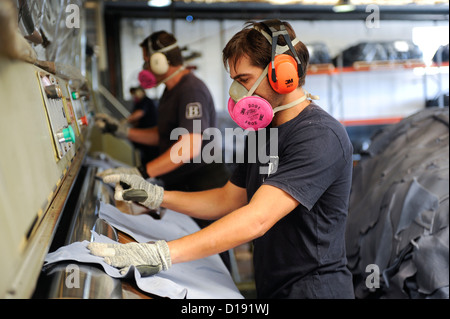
x=148, y=258
x=140, y=190
x=111, y=125
x=119, y=170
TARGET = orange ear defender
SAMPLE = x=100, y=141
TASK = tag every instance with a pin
x=286, y=74
x=284, y=70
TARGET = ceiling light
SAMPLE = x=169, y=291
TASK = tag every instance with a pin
x=159, y=3
x=343, y=6
x=281, y=2
x=401, y=46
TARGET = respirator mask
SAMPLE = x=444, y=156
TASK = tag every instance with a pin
x=254, y=112
x=147, y=79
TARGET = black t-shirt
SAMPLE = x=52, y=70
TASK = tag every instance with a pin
x=188, y=107
x=150, y=117
x=303, y=254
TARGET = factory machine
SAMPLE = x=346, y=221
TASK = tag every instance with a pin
x=42, y=133
x=48, y=197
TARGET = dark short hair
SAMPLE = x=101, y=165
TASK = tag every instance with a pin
x=162, y=39
x=135, y=89
x=252, y=43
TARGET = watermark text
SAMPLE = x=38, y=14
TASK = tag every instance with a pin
x=262, y=146
x=73, y=16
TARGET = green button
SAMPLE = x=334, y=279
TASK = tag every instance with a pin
x=69, y=134
x=74, y=95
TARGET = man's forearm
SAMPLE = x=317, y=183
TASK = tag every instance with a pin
x=268, y=206
x=183, y=151
x=209, y=204
x=135, y=116
x=146, y=136
x=228, y=232
x=161, y=165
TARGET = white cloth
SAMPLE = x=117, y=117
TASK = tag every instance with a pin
x=198, y=279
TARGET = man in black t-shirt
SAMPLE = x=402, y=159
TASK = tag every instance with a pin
x=143, y=115
x=292, y=203
x=303, y=254
x=186, y=100
x=186, y=106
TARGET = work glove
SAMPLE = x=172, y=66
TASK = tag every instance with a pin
x=148, y=258
x=137, y=189
x=119, y=170
x=111, y=125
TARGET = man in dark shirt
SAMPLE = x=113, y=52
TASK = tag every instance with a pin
x=189, y=107
x=186, y=101
x=185, y=104
x=292, y=206
x=306, y=247
x=143, y=115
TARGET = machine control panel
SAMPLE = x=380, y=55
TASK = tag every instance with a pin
x=77, y=105
x=61, y=117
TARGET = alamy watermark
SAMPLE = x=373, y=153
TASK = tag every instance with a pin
x=261, y=148
x=373, y=278
x=373, y=19
x=73, y=276
x=73, y=16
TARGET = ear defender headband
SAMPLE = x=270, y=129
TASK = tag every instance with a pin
x=285, y=70
x=158, y=60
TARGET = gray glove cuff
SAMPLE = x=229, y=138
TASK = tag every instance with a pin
x=157, y=194
x=163, y=250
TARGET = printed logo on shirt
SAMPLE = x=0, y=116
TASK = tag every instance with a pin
x=193, y=110
x=271, y=168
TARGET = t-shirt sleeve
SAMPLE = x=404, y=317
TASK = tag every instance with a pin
x=238, y=177
x=309, y=165
x=194, y=106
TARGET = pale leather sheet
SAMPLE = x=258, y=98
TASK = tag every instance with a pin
x=204, y=278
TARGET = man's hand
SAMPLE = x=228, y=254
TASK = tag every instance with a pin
x=111, y=125
x=139, y=190
x=148, y=258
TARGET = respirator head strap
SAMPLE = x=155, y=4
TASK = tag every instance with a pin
x=290, y=46
x=258, y=81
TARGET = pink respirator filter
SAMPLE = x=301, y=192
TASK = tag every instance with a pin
x=251, y=112
x=147, y=79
